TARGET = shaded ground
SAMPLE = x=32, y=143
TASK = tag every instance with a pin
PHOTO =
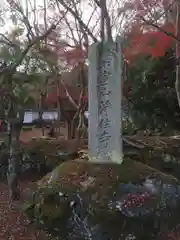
x=26, y=136
x=154, y=141
x=159, y=152
x=13, y=223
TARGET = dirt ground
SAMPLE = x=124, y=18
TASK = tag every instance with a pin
x=26, y=136
x=14, y=225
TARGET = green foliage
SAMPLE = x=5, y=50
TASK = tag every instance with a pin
x=22, y=96
x=128, y=127
x=21, y=84
x=27, y=128
x=153, y=94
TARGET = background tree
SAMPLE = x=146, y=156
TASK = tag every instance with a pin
x=161, y=20
x=13, y=90
x=152, y=96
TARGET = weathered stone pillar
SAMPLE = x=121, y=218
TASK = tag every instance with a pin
x=105, y=71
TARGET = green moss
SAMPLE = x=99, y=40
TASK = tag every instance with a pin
x=49, y=152
x=102, y=184
x=161, y=153
x=38, y=155
x=27, y=128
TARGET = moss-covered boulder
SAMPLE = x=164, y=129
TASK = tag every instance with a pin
x=41, y=155
x=158, y=152
x=49, y=152
x=83, y=200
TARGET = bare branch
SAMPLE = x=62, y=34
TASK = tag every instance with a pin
x=80, y=30
x=19, y=9
x=68, y=95
x=84, y=26
x=68, y=24
x=160, y=28
x=12, y=68
x=6, y=41
x=103, y=7
x=152, y=23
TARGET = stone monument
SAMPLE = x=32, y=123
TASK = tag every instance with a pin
x=104, y=90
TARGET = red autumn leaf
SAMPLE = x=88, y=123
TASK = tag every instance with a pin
x=155, y=43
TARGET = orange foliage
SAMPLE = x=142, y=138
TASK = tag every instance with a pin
x=154, y=43
x=144, y=38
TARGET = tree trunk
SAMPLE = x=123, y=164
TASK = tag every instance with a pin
x=59, y=115
x=58, y=104
x=19, y=125
x=13, y=165
x=41, y=114
x=69, y=126
x=177, y=84
x=74, y=124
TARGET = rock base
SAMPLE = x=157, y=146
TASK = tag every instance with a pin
x=83, y=200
